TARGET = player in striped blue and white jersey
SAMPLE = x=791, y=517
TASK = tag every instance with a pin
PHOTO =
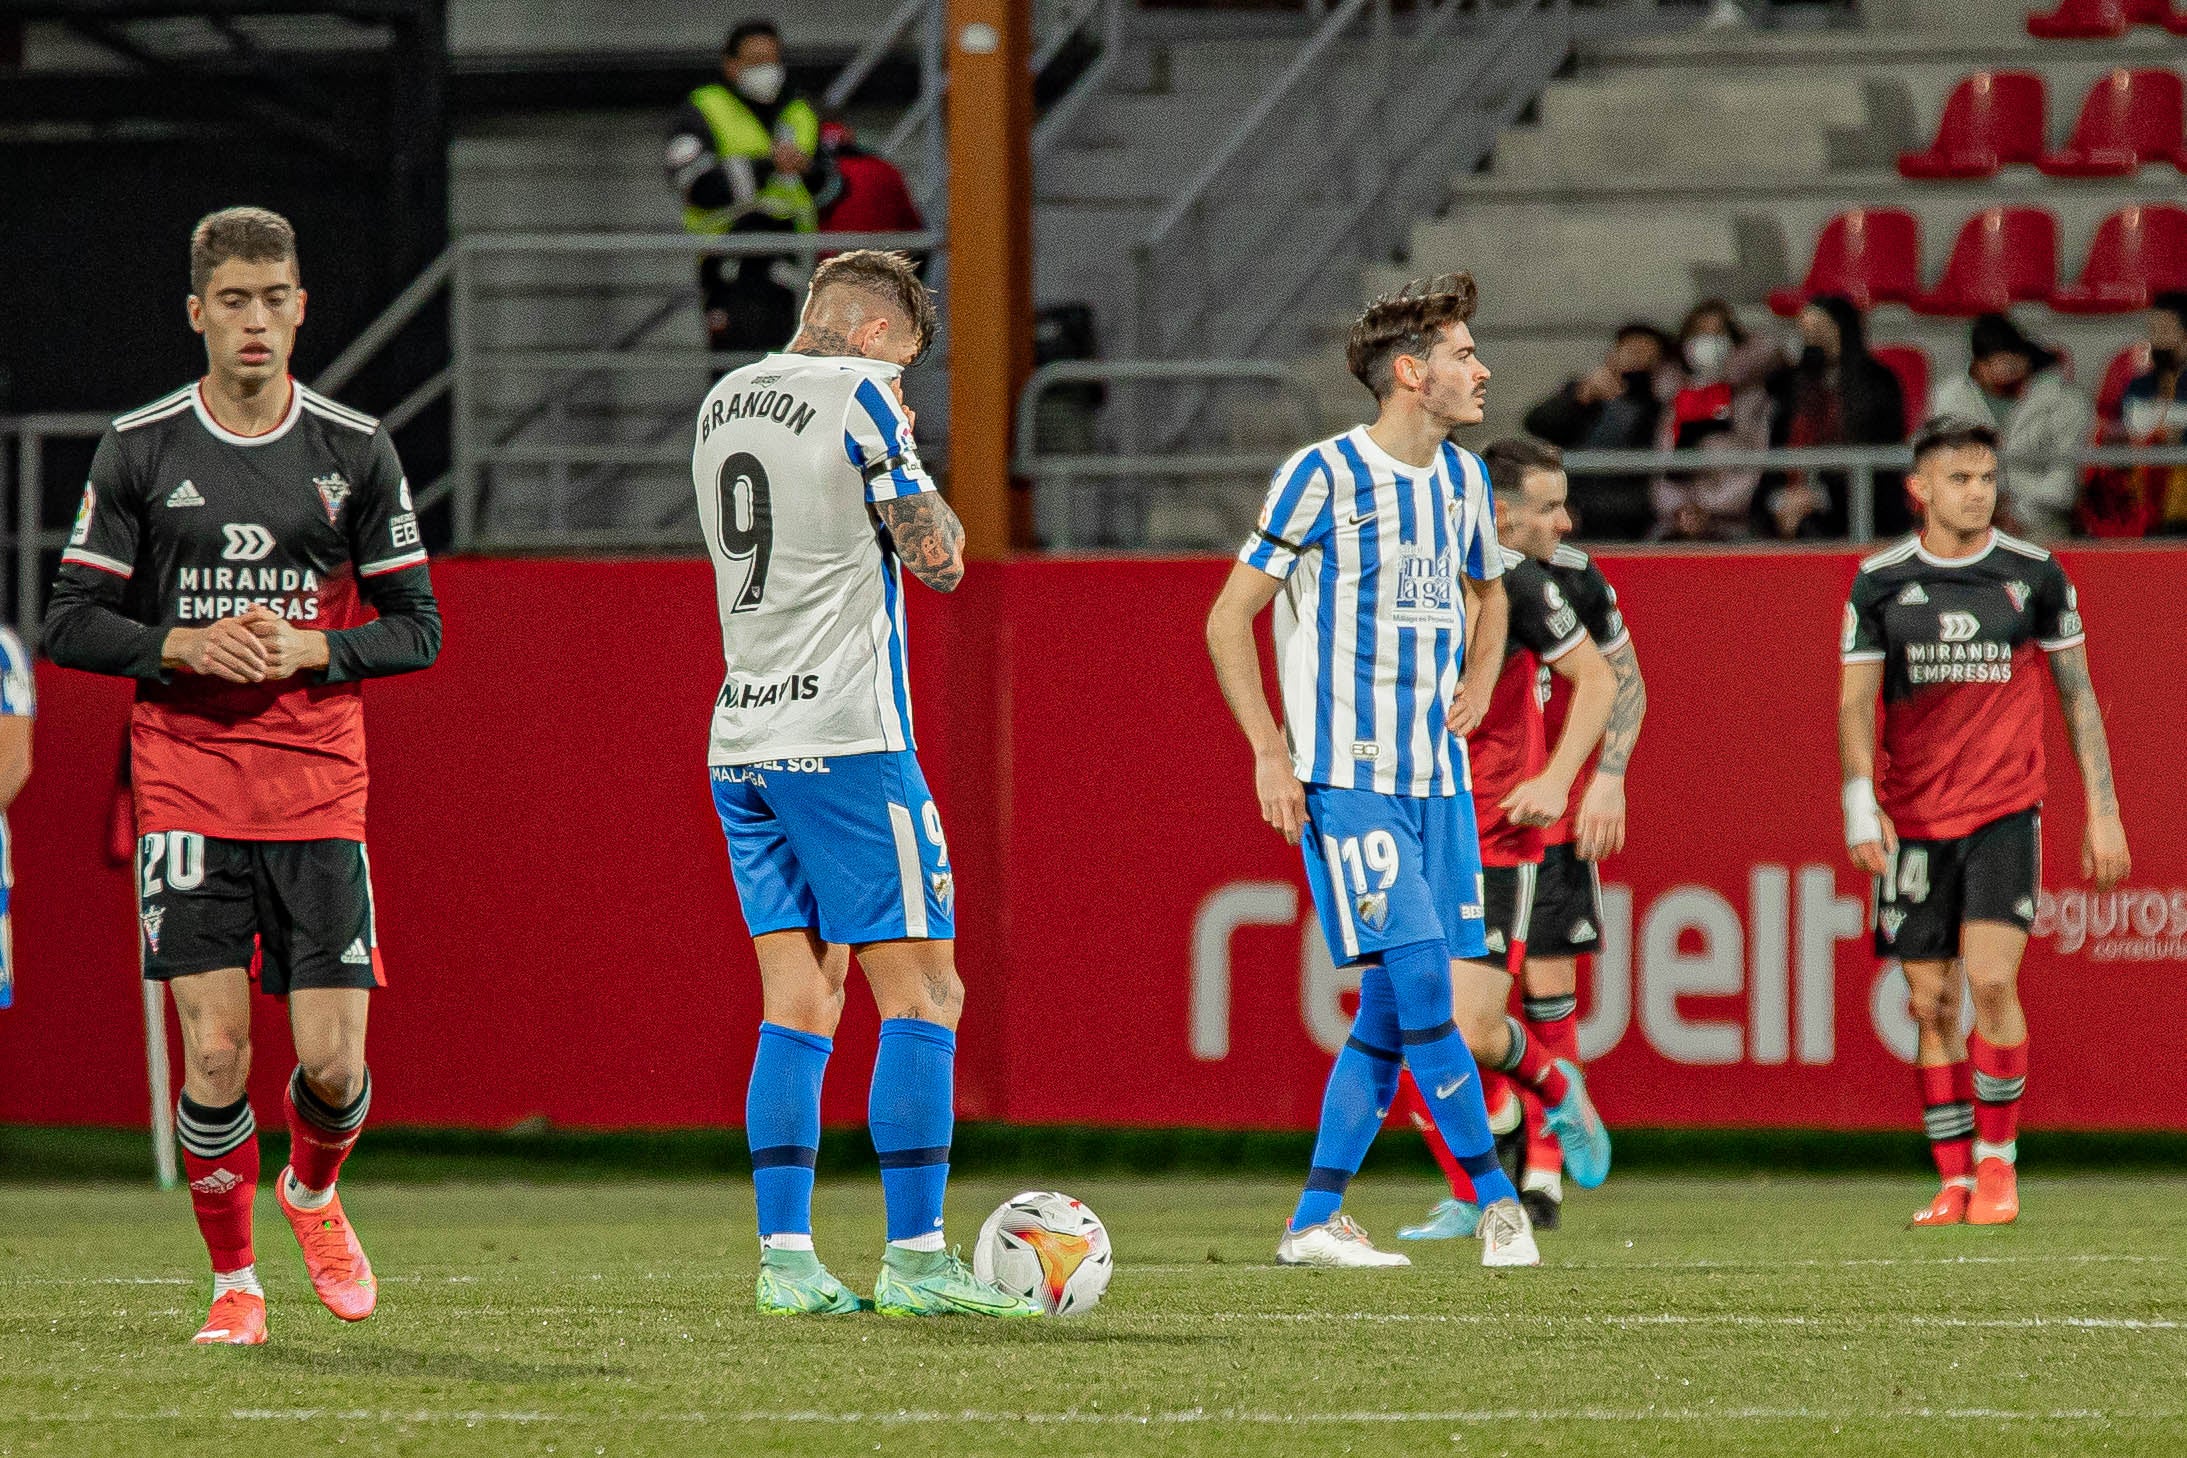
x=1378, y=541
x=18, y=702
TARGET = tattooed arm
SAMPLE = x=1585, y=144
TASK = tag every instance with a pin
x=1600, y=827
x=929, y=538
x=2104, y=857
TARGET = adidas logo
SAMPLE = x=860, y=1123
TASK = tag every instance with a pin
x=185, y=495
x=357, y=956
x=1912, y=596
x=219, y=1182
x=1582, y=931
x=2025, y=906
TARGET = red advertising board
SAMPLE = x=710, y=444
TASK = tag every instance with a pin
x=562, y=937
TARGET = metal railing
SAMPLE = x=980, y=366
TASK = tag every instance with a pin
x=1207, y=253
x=1120, y=483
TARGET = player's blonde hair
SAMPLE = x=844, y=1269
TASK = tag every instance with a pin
x=887, y=278
x=255, y=235
x=1406, y=322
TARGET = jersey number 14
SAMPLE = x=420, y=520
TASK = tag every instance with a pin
x=745, y=526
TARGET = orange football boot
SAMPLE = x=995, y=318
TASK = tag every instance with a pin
x=1948, y=1208
x=238, y=1319
x=336, y=1262
x=1996, y=1194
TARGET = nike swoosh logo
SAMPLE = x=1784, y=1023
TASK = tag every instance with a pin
x=1355, y=519
x=1445, y=1090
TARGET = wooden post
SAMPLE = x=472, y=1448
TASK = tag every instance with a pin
x=989, y=45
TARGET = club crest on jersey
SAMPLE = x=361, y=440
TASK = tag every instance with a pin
x=1373, y=908
x=2018, y=592
x=152, y=917
x=1912, y=595
x=333, y=491
x=1890, y=919
x=944, y=885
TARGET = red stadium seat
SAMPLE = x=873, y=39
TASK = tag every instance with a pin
x=2156, y=12
x=2130, y=117
x=1870, y=255
x=1910, y=362
x=1993, y=119
x=2138, y=252
x=2081, y=20
x=2004, y=256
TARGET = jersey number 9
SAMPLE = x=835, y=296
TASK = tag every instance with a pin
x=746, y=525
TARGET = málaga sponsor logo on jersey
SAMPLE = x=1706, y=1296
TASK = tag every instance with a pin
x=333, y=489
x=81, y=531
x=247, y=542
x=1426, y=591
x=2127, y=924
x=203, y=594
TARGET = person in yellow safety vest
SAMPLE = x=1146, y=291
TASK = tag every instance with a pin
x=744, y=157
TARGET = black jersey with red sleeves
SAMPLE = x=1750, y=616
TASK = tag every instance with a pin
x=1508, y=746
x=1960, y=641
x=1595, y=600
x=183, y=523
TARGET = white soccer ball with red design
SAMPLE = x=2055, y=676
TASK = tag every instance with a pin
x=1049, y=1249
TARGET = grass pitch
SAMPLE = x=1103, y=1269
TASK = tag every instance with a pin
x=1777, y=1315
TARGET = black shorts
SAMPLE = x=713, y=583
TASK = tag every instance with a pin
x=1930, y=888
x=1507, y=893
x=304, y=907
x=1567, y=912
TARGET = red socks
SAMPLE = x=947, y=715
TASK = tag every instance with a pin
x=2000, y=1077
x=320, y=1134
x=1947, y=1116
x=1533, y=1065
x=220, y=1157
x=1409, y=1103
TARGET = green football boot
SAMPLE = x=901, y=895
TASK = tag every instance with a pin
x=794, y=1283
x=937, y=1283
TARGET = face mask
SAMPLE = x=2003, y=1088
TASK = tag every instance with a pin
x=2166, y=360
x=762, y=83
x=1705, y=355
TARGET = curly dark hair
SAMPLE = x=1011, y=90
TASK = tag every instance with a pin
x=1406, y=322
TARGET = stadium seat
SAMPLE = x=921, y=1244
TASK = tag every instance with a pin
x=2138, y=252
x=2156, y=12
x=1993, y=119
x=2130, y=117
x=1910, y=362
x=2004, y=256
x=2081, y=20
x=1870, y=255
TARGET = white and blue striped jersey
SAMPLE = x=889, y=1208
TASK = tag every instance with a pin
x=1371, y=625
x=792, y=454
x=18, y=699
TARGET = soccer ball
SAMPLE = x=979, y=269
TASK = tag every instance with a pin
x=1049, y=1249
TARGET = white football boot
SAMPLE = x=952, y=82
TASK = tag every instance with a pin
x=1507, y=1236
x=1337, y=1241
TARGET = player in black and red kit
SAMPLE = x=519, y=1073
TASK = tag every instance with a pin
x=231, y=537
x=1948, y=628
x=1518, y=785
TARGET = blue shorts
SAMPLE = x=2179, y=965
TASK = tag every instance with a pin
x=850, y=846
x=7, y=952
x=1389, y=870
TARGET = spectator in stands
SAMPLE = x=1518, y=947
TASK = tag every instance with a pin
x=872, y=197
x=1723, y=402
x=1616, y=406
x=1835, y=393
x=2020, y=388
x=744, y=156
x=2152, y=413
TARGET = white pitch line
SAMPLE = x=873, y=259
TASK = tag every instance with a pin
x=1074, y=1417
x=1714, y=1318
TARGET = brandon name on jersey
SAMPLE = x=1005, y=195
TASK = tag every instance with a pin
x=792, y=454
x=1371, y=622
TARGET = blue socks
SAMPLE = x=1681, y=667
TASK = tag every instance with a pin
x=1442, y=1065
x=1355, y=1102
x=782, y=1125
x=912, y=1114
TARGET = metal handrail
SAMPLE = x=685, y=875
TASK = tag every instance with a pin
x=1125, y=371
x=873, y=53
x=377, y=335
x=1050, y=130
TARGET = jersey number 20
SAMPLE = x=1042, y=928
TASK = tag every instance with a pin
x=746, y=525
